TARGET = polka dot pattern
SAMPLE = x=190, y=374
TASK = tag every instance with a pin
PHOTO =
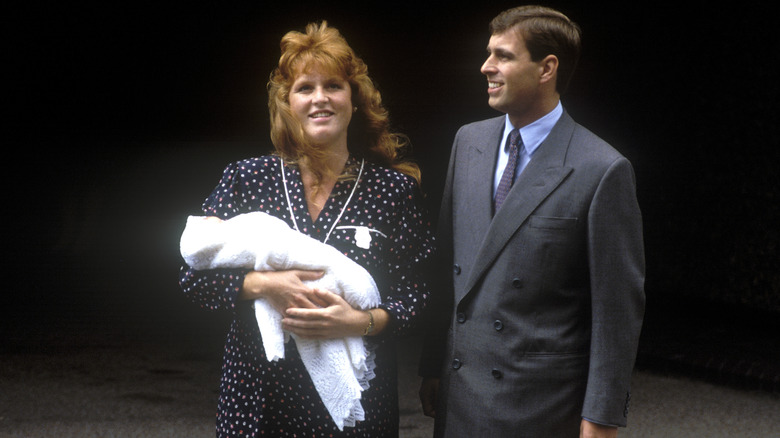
x=261, y=398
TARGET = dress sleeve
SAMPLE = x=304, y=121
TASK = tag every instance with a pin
x=412, y=250
x=218, y=288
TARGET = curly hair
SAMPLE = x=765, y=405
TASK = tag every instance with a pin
x=324, y=48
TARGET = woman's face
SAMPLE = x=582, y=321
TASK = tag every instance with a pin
x=322, y=103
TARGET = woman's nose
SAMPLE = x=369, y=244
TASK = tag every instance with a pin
x=319, y=95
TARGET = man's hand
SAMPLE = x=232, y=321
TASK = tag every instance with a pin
x=429, y=395
x=593, y=430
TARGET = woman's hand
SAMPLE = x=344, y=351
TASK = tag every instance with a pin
x=336, y=319
x=283, y=289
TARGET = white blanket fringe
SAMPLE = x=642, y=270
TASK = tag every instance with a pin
x=339, y=368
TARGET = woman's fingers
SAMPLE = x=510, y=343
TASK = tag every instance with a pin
x=333, y=320
x=309, y=275
x=286, y=289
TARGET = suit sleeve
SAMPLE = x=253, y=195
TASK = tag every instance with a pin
x=617, y=272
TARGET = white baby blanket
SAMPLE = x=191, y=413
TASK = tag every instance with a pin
x=339, y=368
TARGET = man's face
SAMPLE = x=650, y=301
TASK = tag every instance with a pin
x=513, y=78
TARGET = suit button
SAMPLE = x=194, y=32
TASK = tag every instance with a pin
x=461, y=317
x=517, y=283
x=456, y=364
x=456, y=269
x=498, y=325
x=497, y=374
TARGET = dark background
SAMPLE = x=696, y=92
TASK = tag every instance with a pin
x=120, y=118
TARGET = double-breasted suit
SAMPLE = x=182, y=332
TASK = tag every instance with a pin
x=540, y=323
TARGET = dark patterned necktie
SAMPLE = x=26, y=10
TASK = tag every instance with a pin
x=508, y=177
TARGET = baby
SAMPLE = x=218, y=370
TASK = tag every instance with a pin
x=262, y=242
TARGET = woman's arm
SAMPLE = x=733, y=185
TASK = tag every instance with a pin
x=216, y=289
x=409, y=291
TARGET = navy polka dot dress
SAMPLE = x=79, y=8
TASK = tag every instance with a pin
x=262, y=398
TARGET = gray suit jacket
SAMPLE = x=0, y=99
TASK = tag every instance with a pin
x=540, y=322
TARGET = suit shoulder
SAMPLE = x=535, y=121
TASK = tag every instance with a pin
x=587, y=144
x=480, y=130
x=482, y=125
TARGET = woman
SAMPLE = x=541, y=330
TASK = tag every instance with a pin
x=337, y=176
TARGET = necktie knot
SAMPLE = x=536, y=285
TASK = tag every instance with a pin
x=514, y=140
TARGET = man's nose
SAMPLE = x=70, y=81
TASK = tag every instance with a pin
x=487, y=67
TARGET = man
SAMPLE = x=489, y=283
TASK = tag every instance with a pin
x=538, y=329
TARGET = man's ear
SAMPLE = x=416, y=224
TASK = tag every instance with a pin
x=549, y=66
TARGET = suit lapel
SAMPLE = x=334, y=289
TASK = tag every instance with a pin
x=482, y=161
x=540, y=178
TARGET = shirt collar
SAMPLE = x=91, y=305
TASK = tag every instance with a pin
x=534, y=134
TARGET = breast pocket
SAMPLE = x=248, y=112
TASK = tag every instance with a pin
x=553, y=223
x=555, y=247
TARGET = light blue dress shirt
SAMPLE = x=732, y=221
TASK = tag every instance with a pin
x=533, y=135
